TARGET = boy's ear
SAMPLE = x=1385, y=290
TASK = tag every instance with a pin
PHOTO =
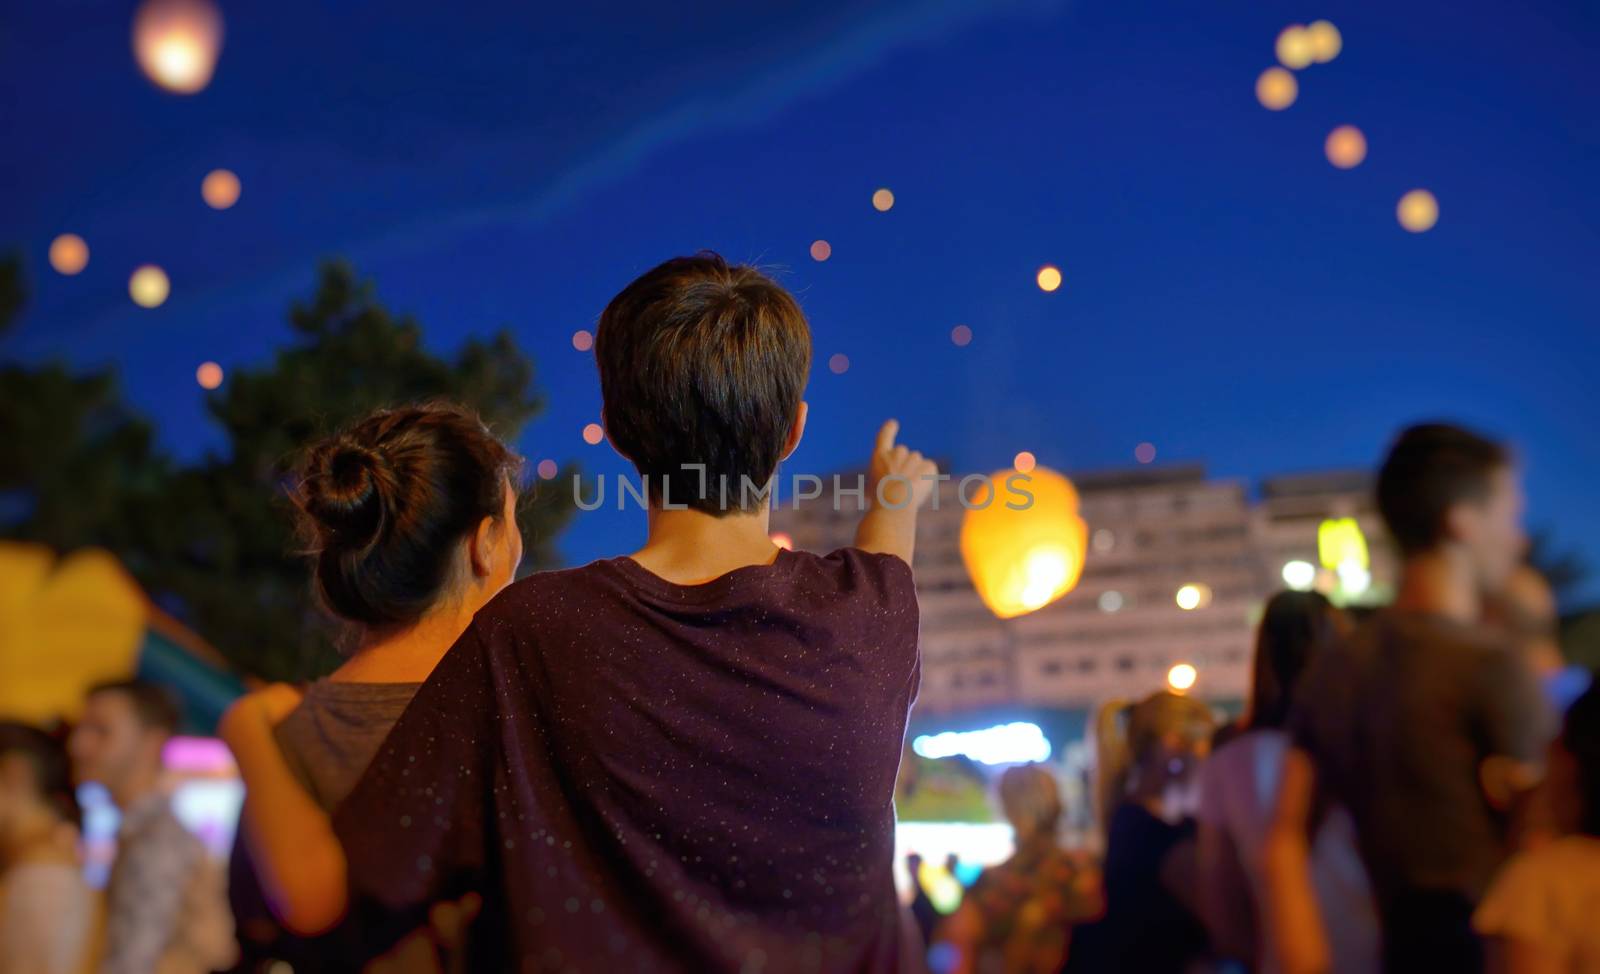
x=796, y=431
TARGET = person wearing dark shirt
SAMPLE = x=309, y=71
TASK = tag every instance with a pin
x=1425, y=723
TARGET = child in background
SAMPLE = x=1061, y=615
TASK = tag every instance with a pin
x=1543, y=910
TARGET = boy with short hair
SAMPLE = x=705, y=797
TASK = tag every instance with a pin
x=682, y=759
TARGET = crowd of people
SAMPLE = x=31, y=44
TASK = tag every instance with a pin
x=683, y=758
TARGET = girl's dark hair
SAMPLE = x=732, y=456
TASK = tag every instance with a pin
x=52, y=773
x=1294, y=625
x=383, y=504
x=1581, y=738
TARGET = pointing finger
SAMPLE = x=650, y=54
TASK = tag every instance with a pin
x=886, y=434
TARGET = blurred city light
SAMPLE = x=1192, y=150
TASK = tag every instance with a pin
x=961, y=335
x=69, y=255
x=1418, y=211
x=1019, y=742
x=1325, y=40
x=149, y=286
x=1021, y=558
x=1104, y=540
x=882, y=200
x=1023, y=461
x=1049, y=277
x=838, y=363
x=1346, y=147
x=593, y=434
x=1299, y=575
x=176, y=42
x=1294, y=47
x=821, y=250
x=220, y=189
x=1340, y=541
x=1193, y=596
x=1182, y=676
x=1110, y=601
x=582, y=340
x=1276, y=89
x=209, y=375
x=1354, y=578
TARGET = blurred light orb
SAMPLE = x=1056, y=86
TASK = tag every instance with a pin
x=582, y=340
x=1346, y=147
x=1295, y=47
x=1020, y=559
x=1145, y=452
x=882, y=200
x=1276, y=89
x=1418, y=211
x=1326, y=41
x=69, y=255
x=593, y=434
x=547, y=469
x=1049, y=277
x=961, y=335
x=1182, y=676
x=149, y=286
x=220, y=189
x=821, y=250
x=839, y=363
x=1110, y=601
x=1104, y=540
x=209, y=375
x=176, y=42
x=1024, y=462
x=1193, y=596
x=783, y=541
x=1299, y=575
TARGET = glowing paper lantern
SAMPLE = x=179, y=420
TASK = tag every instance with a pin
x=961, y=335
x=69, y=255
x=839, y=363
x=1145, y=452
x=1049, y=277
x=220, y=189
x=149, y=286
x=1294, y=47
x=582, y=340
x=547, y=469
x=1418, y=211
x=1021, y=560
x=1024, y=462
x=821, y=250
x=1325, y=41
x=1346, y=147
x=1276, y=89
x=593, y=434
x=176, y=42
x=209, y=375
x=1182, y=676
x=882, y=200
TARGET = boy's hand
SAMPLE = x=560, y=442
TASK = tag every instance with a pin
x=913, y=473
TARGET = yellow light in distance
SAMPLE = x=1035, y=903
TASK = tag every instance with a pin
x=1294, y=48
x=1182, y=676
x=1340, y=541
x=1049, y=277
x=149, y=286
x=176, y=42
x=209, y=375
x=1418, y=211
x=69, y=255
x=1193, y=596
x=1276, y=89
x=1325, y=40
x=1346, y=147
x=220, y=189
x=882, y=200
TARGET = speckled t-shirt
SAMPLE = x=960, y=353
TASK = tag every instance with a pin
x=644, y=776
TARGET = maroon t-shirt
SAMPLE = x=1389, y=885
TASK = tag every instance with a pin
x=642, y=776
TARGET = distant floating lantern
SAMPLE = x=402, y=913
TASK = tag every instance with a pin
x=209, y=375
x=1276, y=89
x=1325, y=41
x=176, y=42
x=821, y=250
x=1182, y=676
x=1024, y=462
x=1294, y=47
x=220, y=189
x=149, y=286
x=1048, y=278
x=69, y=255
x=1145, y=452
x=1418, y=211
x=593, y=434
x=882, y=200
x=961, y=335
x=839, y=363
x=582, y=340
x=547, y=469
x=1346, y=147
x=1022, y=560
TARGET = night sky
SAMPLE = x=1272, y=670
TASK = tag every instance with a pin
x=1229, y=296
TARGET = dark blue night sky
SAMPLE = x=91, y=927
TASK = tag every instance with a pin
x=1229, y=295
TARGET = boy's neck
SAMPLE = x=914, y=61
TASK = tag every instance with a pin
x=688, y=547
x=1438, y=583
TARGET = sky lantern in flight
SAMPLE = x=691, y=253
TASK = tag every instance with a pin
x=1023, y=554
x=176, y=42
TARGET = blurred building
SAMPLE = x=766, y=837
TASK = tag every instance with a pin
x=1160, y=539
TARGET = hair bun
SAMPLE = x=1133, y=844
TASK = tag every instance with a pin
x=346, y=490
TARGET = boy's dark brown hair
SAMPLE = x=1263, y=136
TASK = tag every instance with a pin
x=702, y=362
x=1429, y=469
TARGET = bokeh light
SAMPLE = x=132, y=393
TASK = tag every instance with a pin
x=839, y=363
x=783, y=541
x=1110, y=601
x=1145, y=452
x=1276, y=89
x=1024, y=462
x=176, y=42
x=1049, y=277
x=69, y=255
x=1325, y=40
x=1346, y=147
x=547, y=469
x=1104, y=539
x=149, y=286
x=1193, y=596
x=582, y=340
x=209, y=375
x=882, y=200
x=1418, y=211
x=821, y=250
x=1299, y=575
x=1182, y=676
x=1294, y=47
x=593, y=434
x=220, y=189
x=961, y=335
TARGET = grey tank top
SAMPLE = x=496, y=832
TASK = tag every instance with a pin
x=329, y=739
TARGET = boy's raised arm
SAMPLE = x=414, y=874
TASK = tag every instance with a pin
x=899, y=481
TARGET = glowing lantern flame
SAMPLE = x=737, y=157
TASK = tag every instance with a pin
x=1022, y=560
x=176, y=42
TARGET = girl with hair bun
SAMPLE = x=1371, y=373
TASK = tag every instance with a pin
x=408, y=518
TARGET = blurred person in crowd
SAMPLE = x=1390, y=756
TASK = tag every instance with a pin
x=1542, y=912
x=1147, y=757
x=166, y=901
x=923, y=911
x=409, y=519
x=47, y=911
x=1239, y=786
x=1525, y=608
x=1425, y=723
x=1018, y=916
